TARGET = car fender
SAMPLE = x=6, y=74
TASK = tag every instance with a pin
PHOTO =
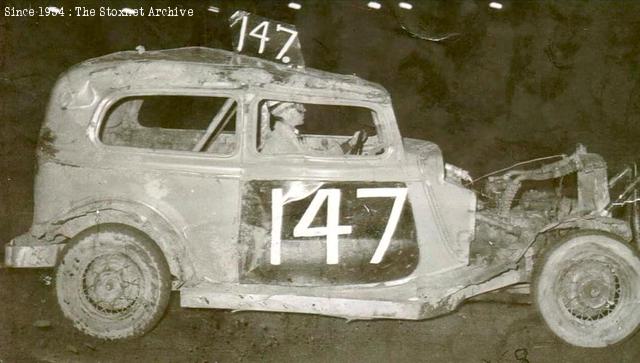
x=133, y=214
x=547, y=236
x=593, y=222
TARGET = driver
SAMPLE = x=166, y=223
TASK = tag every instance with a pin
x=285, y=137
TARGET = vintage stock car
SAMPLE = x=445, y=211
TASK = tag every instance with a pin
x=155, y=174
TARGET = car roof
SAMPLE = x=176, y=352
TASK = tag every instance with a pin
x=202, y=67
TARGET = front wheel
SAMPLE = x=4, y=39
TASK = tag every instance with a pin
x=587, y=289
x=113, y=282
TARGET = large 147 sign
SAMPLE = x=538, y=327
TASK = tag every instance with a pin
x=318, y=233
x=332, y=230
x=265, y=38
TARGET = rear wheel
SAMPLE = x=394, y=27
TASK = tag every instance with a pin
x=113, y=282
x=587, y=289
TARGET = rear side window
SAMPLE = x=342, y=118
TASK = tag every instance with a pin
x=182, y=123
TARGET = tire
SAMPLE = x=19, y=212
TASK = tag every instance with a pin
x=587, y=289
x=113, y=282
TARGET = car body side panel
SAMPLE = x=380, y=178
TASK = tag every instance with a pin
x=435, y=255
x=448, y=205
x=203, y=209
x=454, y=207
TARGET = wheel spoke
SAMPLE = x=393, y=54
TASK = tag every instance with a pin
x=590, y=290
x=111, y=283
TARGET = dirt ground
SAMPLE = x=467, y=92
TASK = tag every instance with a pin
x=33, y=330
x=531, y=80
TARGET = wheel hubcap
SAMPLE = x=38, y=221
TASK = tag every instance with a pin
x=590, y=290
x=111, y=283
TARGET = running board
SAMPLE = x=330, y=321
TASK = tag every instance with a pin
x=352, y=309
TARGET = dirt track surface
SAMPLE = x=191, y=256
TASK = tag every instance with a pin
x=478, y=332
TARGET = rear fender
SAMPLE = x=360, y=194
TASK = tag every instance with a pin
x=133, y=214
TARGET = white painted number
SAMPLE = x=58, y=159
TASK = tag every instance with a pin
x=333, y=229
x=243, y=31
x=292, y=36
x=400, y=195
x=263, y=37
x=260, y=32
x=277, y=204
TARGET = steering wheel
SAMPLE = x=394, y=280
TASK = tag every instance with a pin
x=356, y=149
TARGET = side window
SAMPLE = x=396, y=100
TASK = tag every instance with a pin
x=184, y=123
x=317, y=129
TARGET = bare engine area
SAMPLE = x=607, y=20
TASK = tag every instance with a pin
x=517, y=206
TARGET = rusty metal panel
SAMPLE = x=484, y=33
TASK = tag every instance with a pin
x=305, y=260
x=32, y=256
x=593, y=191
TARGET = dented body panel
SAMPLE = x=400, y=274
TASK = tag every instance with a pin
x=244, y=231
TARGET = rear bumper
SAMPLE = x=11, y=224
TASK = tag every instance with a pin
x=27, y=252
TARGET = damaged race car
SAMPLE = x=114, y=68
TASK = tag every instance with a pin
x=247, y=184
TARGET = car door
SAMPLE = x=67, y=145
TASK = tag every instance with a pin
x=313, y=216
x=179, y=154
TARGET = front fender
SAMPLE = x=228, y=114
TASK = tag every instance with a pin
x=598, y=223
x=544, y=238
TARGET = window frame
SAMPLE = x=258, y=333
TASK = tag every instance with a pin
x=379, y=121
x=99, y=119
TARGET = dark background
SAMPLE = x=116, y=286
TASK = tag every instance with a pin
x=530, y=80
